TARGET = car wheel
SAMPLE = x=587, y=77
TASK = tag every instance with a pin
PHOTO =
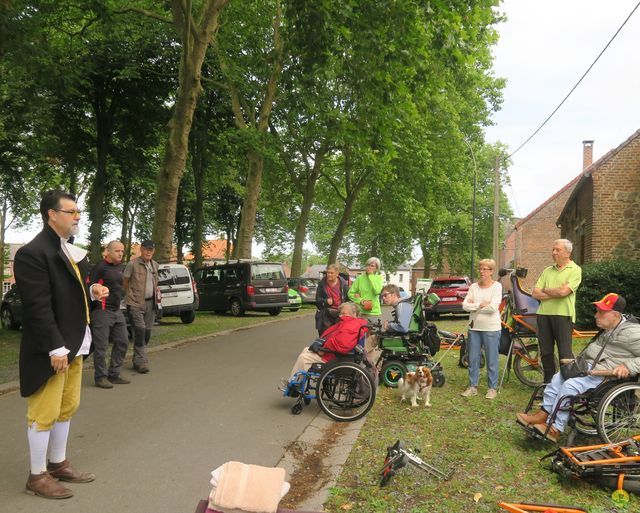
x=236, y=308
x=8, y=322
x=275, y=311
x=188, y=317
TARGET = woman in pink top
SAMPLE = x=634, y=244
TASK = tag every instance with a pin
x=482, y=303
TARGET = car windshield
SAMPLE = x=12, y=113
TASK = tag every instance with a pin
x=267, y=272
x=173, y=276
x=309, y=282
x=448, y=284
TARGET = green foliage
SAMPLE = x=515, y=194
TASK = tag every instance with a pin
x=600, y=278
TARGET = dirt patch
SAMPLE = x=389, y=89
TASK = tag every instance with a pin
x=311, y=473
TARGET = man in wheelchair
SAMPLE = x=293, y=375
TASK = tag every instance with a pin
x=402, y=311
x=614, y=352
x=340, y=338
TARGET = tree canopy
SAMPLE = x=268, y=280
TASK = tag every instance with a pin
x=347, y=129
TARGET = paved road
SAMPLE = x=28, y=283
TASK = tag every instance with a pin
x=153, y=443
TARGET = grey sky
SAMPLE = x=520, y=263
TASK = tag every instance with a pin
x=544, y=48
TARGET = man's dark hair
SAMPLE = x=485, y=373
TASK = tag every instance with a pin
x=51, y=201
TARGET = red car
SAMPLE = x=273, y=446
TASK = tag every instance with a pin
x=451, y=291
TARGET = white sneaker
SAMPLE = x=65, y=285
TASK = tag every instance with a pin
x=470, y=391
x=491, y=393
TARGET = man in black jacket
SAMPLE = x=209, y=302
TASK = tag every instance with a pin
x=50, y=275
x=107, y=320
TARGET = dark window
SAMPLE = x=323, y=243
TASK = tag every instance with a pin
x=448, y=284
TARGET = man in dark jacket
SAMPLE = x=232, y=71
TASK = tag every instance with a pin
x=50, y=275
x=107, y=320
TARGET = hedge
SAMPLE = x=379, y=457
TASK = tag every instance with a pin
x=599, y=278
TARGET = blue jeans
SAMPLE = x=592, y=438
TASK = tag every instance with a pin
x=559, y=387
x=491, y=342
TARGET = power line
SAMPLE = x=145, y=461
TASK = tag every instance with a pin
x=577, y=83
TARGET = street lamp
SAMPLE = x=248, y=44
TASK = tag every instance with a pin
x=473, y=209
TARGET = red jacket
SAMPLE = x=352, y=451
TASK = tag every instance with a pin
x=342, y=336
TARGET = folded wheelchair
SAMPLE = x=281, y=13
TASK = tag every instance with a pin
x=610, y=411
x=344, y=388
x=402, y=353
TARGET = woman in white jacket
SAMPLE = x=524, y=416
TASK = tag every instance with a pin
x=482, y=303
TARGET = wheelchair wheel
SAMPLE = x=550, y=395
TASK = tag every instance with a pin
x=464, y=361
x=618, y=417
x=527, y=365
x=345, y=391
x=392, y=371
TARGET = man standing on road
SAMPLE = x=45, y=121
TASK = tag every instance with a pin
x=556, y=289
x=140, y=284
x=107, y=320
x=50, y=275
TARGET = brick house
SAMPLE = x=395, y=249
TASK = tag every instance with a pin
x=602, y=214
x=599, y=211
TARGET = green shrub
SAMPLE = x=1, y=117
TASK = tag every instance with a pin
x=599, y=278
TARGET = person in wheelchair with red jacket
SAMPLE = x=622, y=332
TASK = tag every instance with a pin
x=341, y=338
x=615, y=352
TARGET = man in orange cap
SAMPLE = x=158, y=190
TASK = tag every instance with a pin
x=617, y=350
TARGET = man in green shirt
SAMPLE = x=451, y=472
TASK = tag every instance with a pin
x=556, y=289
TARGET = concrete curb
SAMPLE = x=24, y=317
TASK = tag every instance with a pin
x=333, y=460
x=12, y=386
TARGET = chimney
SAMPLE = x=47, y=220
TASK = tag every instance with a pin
x=587, y=154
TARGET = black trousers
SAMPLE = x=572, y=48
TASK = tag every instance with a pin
x=552, y=329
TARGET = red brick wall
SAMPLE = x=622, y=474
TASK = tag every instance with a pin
x=616, y=205
x=535, y=235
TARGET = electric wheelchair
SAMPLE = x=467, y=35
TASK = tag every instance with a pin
x=402, y=353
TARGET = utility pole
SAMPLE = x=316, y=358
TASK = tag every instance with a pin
x=496, y=208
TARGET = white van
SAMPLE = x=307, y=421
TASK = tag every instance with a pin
x=179, y=293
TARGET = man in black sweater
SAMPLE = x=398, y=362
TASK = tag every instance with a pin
x=107, y=319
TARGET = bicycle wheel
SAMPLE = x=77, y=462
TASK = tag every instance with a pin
x=345, y=391
x=618, y=417
x=527, y=365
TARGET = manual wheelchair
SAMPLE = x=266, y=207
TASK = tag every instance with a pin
x=344, y=388
x=610, y=411
x=400, y=354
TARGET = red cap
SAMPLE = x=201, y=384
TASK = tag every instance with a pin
x=610, y=302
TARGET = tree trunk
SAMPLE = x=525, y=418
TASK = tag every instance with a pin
x=3, y=217
x=338, y=235
x=125, y=220
x=189, y=89
x=199, y=141
x=250, y=204
x=97, y=197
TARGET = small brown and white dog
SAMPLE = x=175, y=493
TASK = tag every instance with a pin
x=418, y=385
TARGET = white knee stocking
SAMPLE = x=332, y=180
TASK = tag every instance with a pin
x=38, y=443
x=58, y=442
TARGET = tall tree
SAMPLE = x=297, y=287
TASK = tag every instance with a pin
x=251, y=69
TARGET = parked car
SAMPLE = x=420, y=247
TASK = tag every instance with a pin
x=179, y=292
x=295, y=301
x=11, y=309
x=241, y=286
x=306, y=287
x=451, y=291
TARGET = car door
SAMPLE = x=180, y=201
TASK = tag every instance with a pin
x=232, y=277
x=209, y=288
